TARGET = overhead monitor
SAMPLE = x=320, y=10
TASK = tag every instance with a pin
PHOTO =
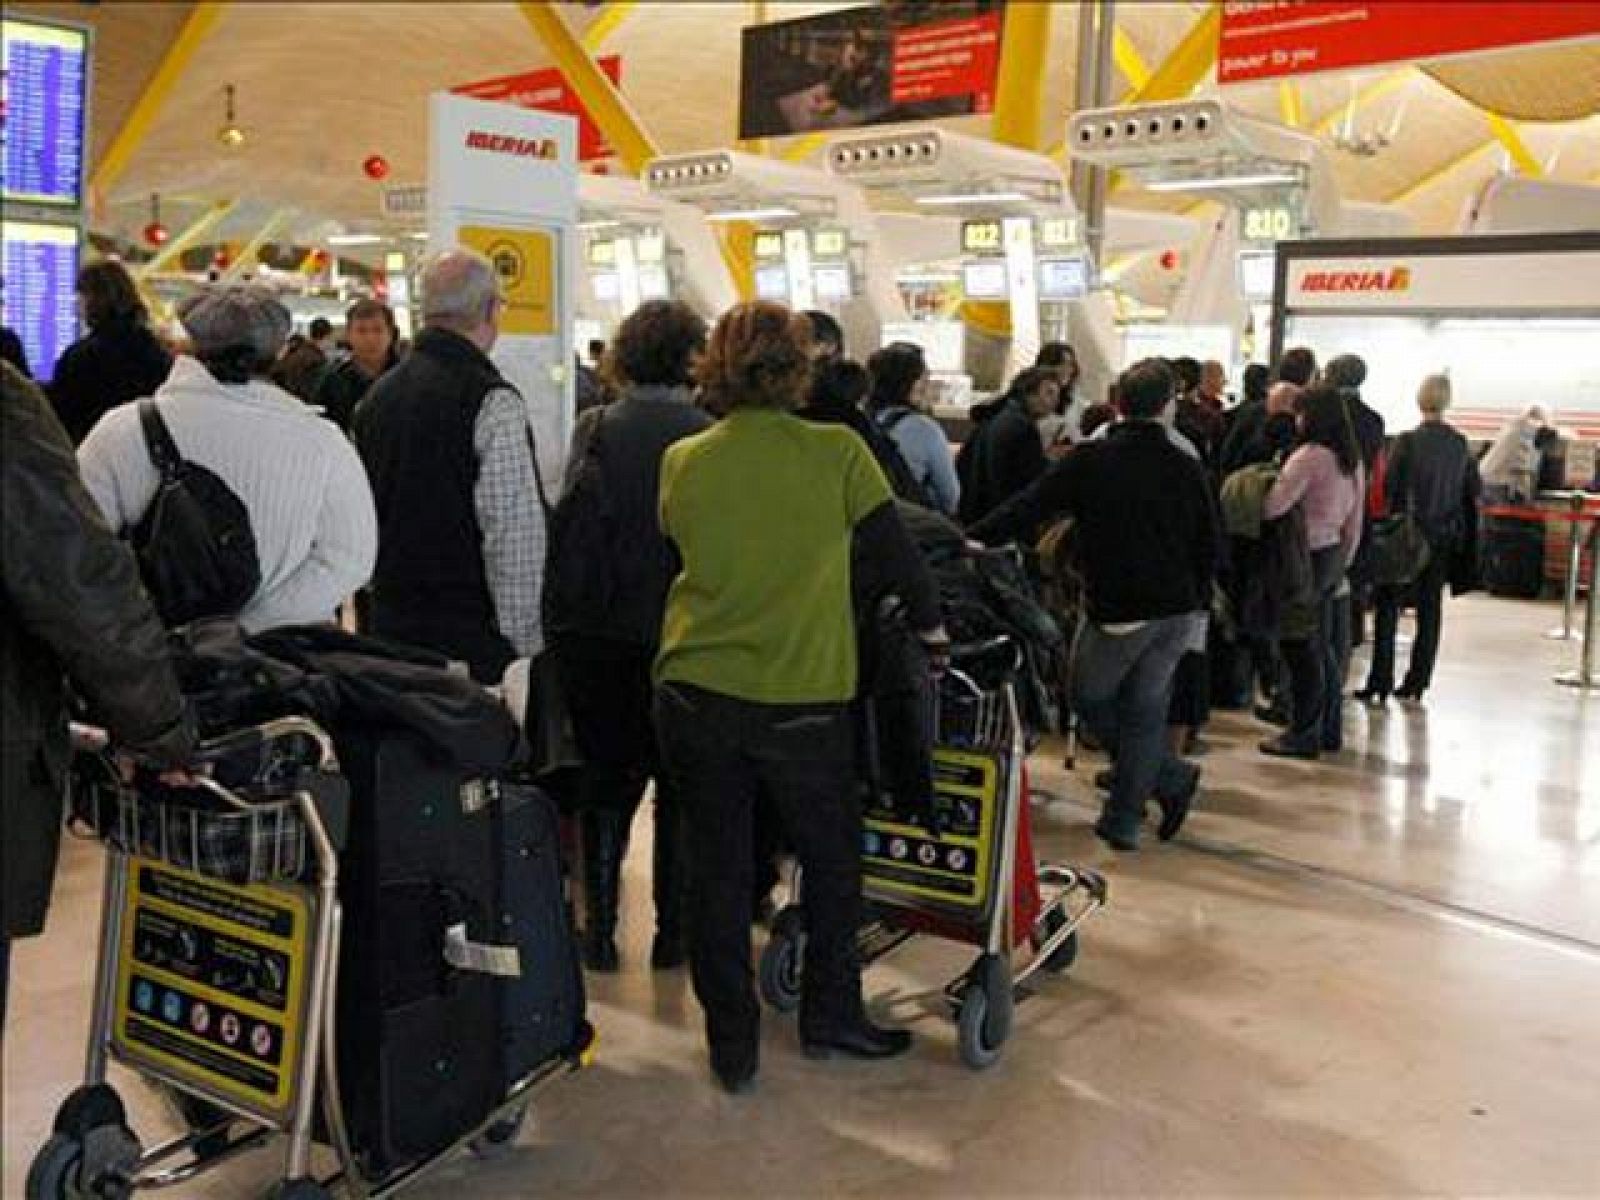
x=607, y=286
x=832, y=281
x=1063, y=278
x=44, y=101
x=1256, y=274
x=772, y=283
x=37, y=298
x=984, y=280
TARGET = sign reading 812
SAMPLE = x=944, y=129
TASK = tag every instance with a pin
x=980, y=237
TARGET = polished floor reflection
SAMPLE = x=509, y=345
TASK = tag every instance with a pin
x=1375, y=975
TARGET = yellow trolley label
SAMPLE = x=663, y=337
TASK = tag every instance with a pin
x=904, y=863
x=211, y=984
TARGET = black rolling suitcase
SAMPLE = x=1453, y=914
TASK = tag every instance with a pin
x=458, y=971
x=1513, y=557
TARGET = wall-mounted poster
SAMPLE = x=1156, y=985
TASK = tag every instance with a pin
x=908, y=61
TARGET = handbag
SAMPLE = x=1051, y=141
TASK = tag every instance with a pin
x=1399, y=550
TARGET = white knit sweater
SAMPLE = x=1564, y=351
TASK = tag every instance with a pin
x=306, y=491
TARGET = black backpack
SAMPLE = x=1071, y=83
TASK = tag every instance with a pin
x=196, y=550
x=580, y=582
x=903, y=481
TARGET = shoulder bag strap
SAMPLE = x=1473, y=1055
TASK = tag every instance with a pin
x=158, y=441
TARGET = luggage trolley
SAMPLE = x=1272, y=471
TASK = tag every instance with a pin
x=972, y=879
x=218, y=969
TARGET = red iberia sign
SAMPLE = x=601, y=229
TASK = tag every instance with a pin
x=1274, y=39
x=1398, y=279
x=548, y=91
x=518, y=147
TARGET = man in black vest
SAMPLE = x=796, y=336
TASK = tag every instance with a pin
x=461, y=536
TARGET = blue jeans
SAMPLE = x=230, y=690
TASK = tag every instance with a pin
x=1121, y=686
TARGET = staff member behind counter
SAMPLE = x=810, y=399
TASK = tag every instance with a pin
x=757, y=669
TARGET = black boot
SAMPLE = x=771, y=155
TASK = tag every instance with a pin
x=668, y=879
x=604, y=843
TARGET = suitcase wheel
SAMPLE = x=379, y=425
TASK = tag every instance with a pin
x=500, y=1138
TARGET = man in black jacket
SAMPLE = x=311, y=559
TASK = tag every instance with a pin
x=1004, y=453
x=370, y=329
x=1148, y=540
x=461, y=537
x=70, y=608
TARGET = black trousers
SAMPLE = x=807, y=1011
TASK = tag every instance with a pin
x=1429, y=593
x=1313, y=661
x=722, y=755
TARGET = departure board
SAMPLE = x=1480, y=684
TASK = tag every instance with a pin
x=46, y=80
x=36, y=298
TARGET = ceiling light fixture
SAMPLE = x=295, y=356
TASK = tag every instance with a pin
x=955, y=198
x=776, y=212
x=230, y=134
x=1222, y=182
x=591, y=226
x=354, y=239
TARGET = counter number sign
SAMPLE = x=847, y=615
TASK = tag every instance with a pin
x=982, y=237
x=1057, y=233
x=1268, y=223
x=602, y=254
x=829, y=243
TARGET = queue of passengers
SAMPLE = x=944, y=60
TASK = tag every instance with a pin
x=713, y=503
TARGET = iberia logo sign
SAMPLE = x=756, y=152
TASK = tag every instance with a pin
x=516, y=147
x=1396, y=279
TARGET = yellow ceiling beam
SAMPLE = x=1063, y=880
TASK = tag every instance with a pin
x=197, y=26
x=1128, y=59
x=173, y=250
x=1290, y=108
x=618, y=122
x=251, y=254
x=1187, y=65
x=1508, y=136
x=603, y=26
x=1370, y=94
x=1018, y=118
x=804, y=147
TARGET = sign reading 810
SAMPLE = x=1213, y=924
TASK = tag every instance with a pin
x=1269, y=223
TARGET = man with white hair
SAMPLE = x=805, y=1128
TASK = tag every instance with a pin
x=446, y=441
x=301, y=483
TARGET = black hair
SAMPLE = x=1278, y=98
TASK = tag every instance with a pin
x=1146, y=388
x=1188, y=372
x=839, y=384
x=1257, y=378
x=657, y=343
x=895, y=370
x=1030, y=381
x=1324, y=421
x=1298, y=366
x=13, y=351
x=825, y=331
x=319, y=328
x=1094, y=417
x=109, y=294
x=597, y=349
x=365, y=309
x=1346, y=371
x=1055, y=354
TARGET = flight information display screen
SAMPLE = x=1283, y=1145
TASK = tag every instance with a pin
x=36, y=299
x=44, y=101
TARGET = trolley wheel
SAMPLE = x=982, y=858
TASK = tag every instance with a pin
x=779, y=972
x=498, y=1139
x=89, y=1152
x=298, y=1189
x=1064, y=955
x=983, y=1022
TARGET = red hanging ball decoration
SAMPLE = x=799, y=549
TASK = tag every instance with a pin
x=156, y=233
x=221, y=259
x=1169, y=260
x=375, y=166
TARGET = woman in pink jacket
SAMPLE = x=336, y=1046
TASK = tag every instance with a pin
x=1324, y=478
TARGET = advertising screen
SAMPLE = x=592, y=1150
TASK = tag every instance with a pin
x=45, y=85
x=869, y=65
x=832, y=281
x=37, y=300
x=606, y=286
x=652, y=283
x=1063, y=278
x=984, y=280
x=772, y=283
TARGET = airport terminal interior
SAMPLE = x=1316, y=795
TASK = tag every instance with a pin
x=384, y=929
